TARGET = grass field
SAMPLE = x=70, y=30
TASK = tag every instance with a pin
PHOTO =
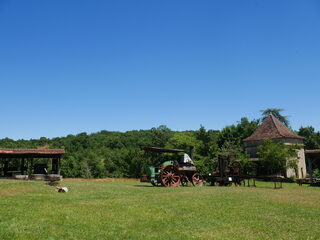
x=132, y=210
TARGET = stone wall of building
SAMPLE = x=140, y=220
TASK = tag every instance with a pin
x=302, y=169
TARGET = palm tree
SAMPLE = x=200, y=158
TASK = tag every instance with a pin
x=275, y=112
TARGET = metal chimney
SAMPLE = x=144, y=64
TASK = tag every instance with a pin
x=191, y=150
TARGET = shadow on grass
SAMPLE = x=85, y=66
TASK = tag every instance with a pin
x=143, y=186
x=264, y=187
x=251, y=186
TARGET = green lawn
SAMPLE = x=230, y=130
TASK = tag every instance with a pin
x=132, y=210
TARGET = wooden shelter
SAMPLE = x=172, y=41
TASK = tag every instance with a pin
x=273, y=129
x=24, y=160
x=313, y=161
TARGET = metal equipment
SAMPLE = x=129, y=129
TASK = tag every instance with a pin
x=232, y=172
x=172, y=173
x=226, y=174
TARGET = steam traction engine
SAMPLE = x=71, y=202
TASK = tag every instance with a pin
x=173, y=172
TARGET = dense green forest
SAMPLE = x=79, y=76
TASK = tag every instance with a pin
x=121, y=154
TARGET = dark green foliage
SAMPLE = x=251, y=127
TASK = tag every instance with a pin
x=312, y=138
x=160, y=135
x=316, y=173
x=116, y=154
x=236, y=133
x=120, y=154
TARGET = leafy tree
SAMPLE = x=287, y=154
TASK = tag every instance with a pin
x=236, y=133
x=160, y=135
x=276, y=112
x=232, y=152
x=203, y=136
x=275, y=157
x=182, y=140
x=312, y=139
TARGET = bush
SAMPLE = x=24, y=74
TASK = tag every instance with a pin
x=316, y=173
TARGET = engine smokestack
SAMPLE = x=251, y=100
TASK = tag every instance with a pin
x=191, y=150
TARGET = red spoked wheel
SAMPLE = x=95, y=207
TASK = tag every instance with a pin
x=170, y=176
x=197, y=180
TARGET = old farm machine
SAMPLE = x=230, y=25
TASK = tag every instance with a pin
x=179, y=169
x=229, y=172
x=226, y=173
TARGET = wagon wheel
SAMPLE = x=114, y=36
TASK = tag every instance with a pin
x=184, y=180
x=197, y=180
x=170, y=176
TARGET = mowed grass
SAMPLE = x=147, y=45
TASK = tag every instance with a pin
x=133, y=210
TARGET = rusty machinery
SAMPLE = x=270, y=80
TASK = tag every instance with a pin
x=226, y=173
x=233, y=172
x=171, y=173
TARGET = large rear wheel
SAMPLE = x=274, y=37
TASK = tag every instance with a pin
x=170, y=176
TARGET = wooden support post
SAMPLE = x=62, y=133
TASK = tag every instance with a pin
x=58, y=166
x=53, y=165
x=31, y=170
x=22, y=166
x=1, y=165
x=310, y=169
x=5, y=168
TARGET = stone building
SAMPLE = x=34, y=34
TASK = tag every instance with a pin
x=273, y=129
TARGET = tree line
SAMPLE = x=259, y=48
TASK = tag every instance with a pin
x=121, y=154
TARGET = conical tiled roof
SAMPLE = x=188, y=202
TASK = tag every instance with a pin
x=272, y=128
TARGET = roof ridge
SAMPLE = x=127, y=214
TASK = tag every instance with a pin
x=274, y=119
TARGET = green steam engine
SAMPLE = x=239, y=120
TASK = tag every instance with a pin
x=172, y=173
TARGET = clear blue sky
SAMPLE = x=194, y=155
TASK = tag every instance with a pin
x=72, y=66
